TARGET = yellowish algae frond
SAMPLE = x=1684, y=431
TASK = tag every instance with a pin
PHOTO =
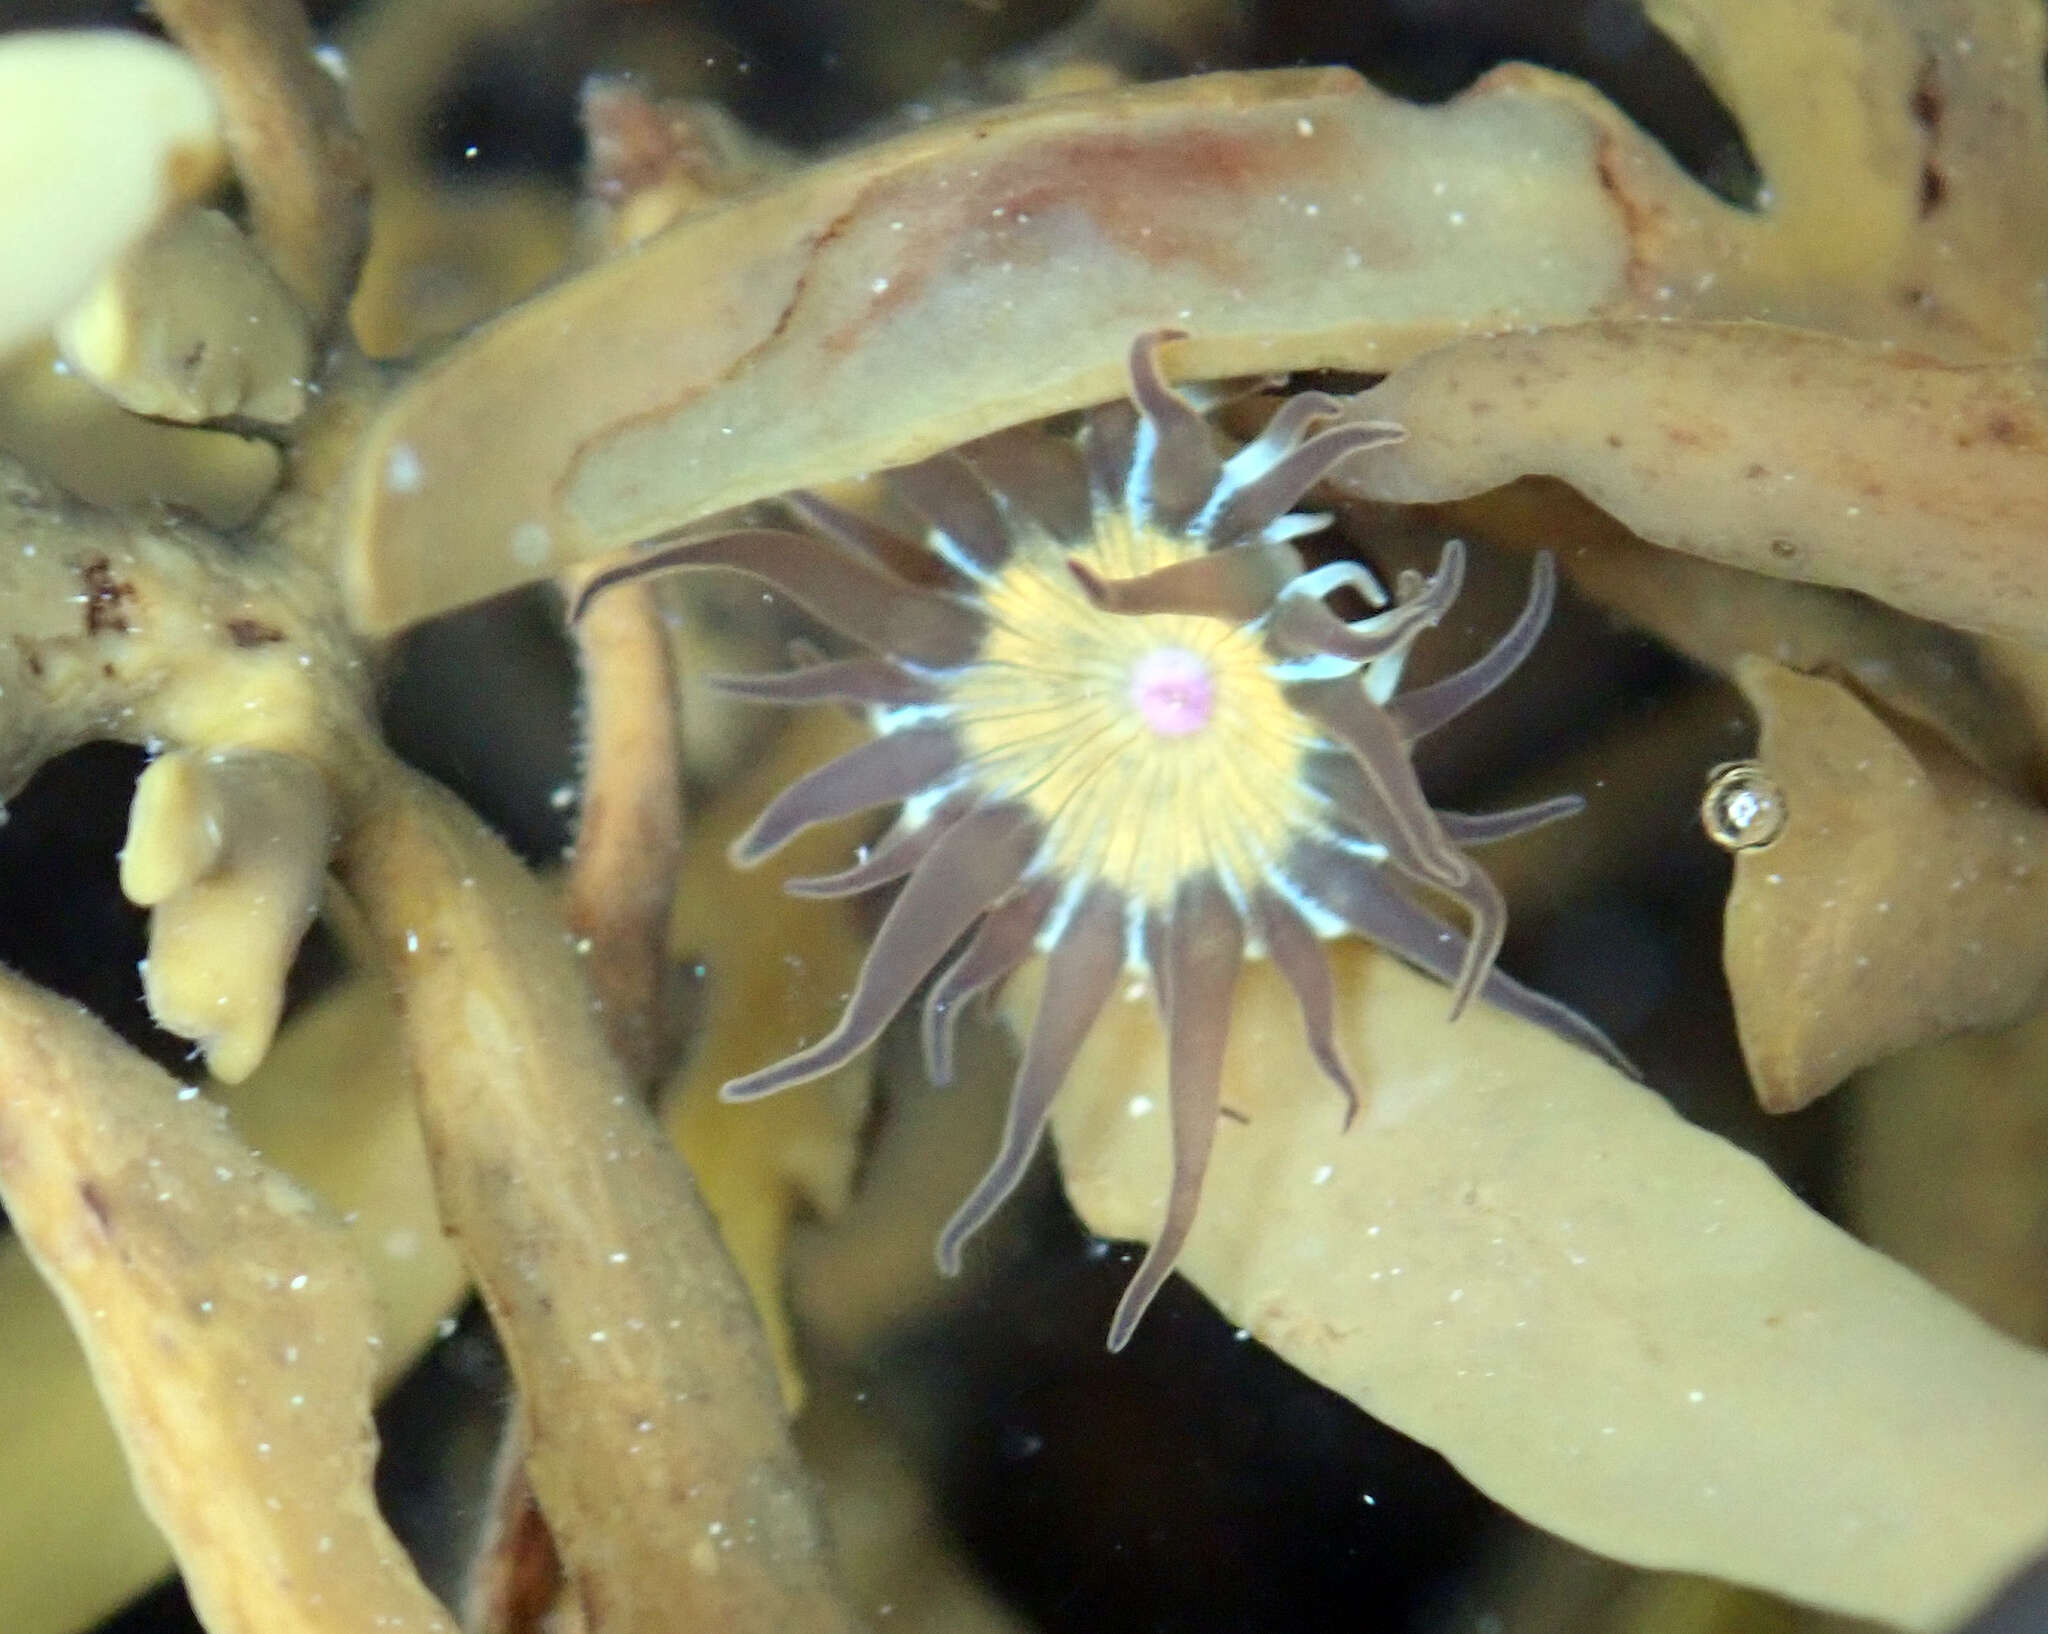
x=1624, y=1329
x=192, y=325
x=100, y=136
x=1904, y=904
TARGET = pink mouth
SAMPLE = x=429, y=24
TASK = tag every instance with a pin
x=1174, y=691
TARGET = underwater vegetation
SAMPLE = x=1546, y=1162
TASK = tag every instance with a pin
x=1185, y=470
x=1140, y=743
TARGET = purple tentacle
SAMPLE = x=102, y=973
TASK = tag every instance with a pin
x=1362, y=801
x=897, y=853
x=1303, y=626
x=847, y=591
x=1480, y=898
x=857, y=533
x=1081, y=975
x=1397, y=815
x=876, y=773
x=1035, y=474
x=1422, y=711
x=1291, y=422
x=1108, y=441
x=946, y=492
x=1485, y=828
x=1269, y=495
x=1002, y=943
x=1366, y=900
x=846, y=680
x=1170, y=487
x=978, y=861
x=1342, y=780
x=1297, y=953
x=1236, y=584
x=1200, y=950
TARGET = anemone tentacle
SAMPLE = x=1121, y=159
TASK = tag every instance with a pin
x=969, y=531
x=1303, y=626
x=1196, y=949
x=1290, y=941
x=880, y=772
x=1080, y=974
x=1366, y=901
x=1292, y=421
x=1405, y=824
x=872, y=681
x=1422, y=711
x=1235, y=583
x=898, y=853
x=1490, y=828
x=848, y=529
x=1134, y=737
x=1174, y=464
x=976, y=863
x=1261, y=501
x=1002, y=942
x=1037, y=480
x=1109, y=440
x=844, y=588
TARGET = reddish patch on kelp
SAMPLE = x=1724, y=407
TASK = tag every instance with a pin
x=1158, y=197
x=1141, y=194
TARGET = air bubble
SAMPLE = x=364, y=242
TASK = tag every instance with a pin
x=1743, y=808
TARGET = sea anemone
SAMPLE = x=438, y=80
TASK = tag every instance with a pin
x=1132, y=735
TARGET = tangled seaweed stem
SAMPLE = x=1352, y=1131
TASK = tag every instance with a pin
x=234, y=661
x=647, y=1396
x=296, y=155
x=225, y=1316
x=629, y=840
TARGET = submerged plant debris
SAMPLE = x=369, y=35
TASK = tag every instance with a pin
x=1785, y=451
